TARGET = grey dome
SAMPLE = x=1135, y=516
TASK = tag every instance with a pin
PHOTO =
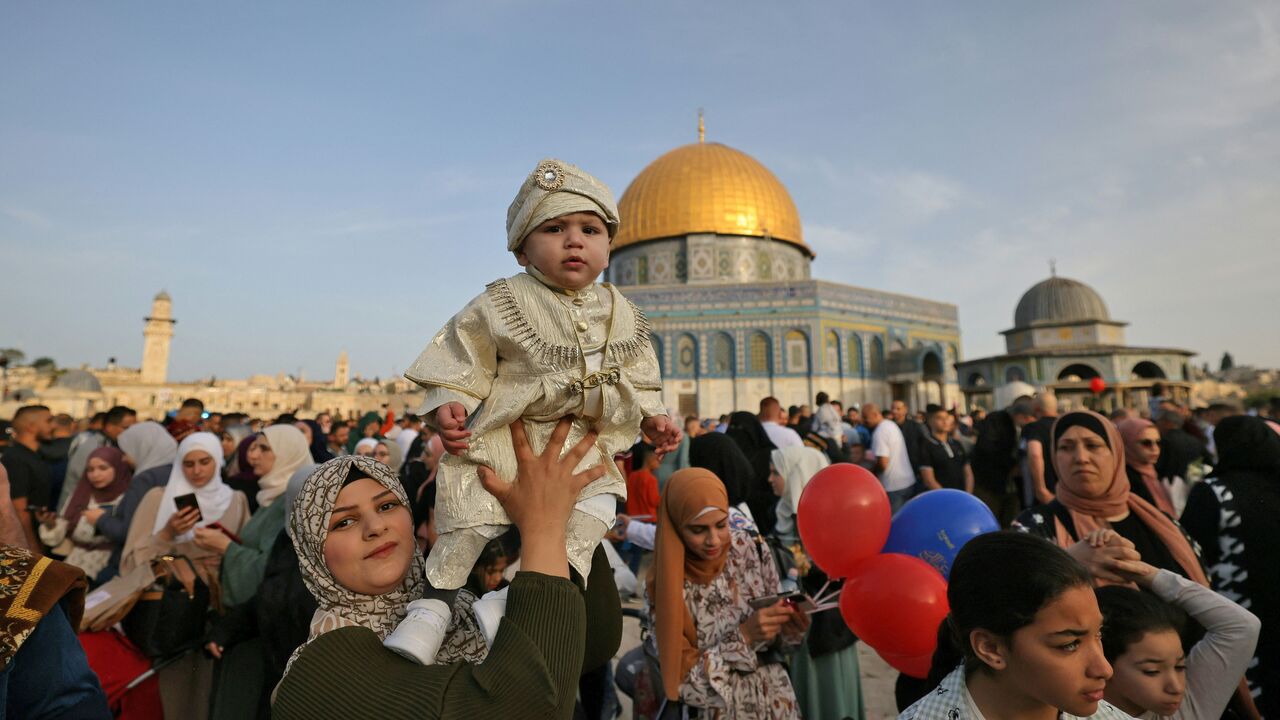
x=79, y=380
x=1059, y=300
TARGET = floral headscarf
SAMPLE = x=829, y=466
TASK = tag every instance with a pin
x=309, y=528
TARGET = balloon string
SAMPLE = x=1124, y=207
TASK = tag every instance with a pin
x=823, y=597
x=824, y=587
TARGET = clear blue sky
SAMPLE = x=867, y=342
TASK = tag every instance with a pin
x=307, y=177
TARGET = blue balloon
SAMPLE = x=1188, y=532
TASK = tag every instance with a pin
x=934, y=526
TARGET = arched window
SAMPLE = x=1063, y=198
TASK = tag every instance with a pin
x=686, y=356
x=1078, y=372
x=722, y=360
x=876, y=362
x=977, y=380
x=759, y=354
x=796, y=352
x=831, y=359
x=1147, y=370
x=855, y=355
x=656, y=342
x=1015, y=373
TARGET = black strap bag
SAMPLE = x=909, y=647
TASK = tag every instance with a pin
x=170, y=615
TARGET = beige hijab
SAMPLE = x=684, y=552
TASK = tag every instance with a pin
x=291, y=451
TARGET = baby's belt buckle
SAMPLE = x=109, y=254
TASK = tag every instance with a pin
x=595, y=380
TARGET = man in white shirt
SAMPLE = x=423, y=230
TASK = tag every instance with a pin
x=411, y=429
x=827, y=422
x=771, y=417
x=893, y=465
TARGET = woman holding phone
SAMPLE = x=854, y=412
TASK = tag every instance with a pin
x=717, y=650
x=165, y=524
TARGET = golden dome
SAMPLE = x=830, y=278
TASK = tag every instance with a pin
x=707, y=188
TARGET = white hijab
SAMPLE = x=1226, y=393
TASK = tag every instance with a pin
x=797, y=465
x=214, y=496
x=291, y=451
x=149, y=445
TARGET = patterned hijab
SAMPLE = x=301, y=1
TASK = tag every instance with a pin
x=688, y=495
x=1091, y=513
x=80, y=497
x=309, y=528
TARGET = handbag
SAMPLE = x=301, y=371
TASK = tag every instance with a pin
x=113, y=600
x=170, y=615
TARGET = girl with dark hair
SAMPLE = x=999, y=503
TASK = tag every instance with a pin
x=1141, y=637
x=1023, y=637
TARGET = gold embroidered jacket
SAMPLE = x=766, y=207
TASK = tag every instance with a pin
x=525, y=350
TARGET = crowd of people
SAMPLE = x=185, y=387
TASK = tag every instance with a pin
x=471, y=563
x=709, y=529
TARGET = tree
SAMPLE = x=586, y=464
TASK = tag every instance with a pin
x=1227, y=362
x=14, y=356
x=44, y=364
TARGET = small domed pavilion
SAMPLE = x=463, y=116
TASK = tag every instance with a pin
x=1062, y=338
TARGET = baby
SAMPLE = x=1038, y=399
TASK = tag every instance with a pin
x=539, y=346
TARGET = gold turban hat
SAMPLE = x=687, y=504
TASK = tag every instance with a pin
x=553, y=189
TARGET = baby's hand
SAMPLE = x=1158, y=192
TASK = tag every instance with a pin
x=661, y=433
x=451, y=418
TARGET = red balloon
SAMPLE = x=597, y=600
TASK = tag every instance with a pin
x=895, y=603
x=843, y=518
x=916, y=667
x=1097, y=385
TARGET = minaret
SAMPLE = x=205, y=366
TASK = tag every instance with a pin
x=342, y=373
x=158, y=333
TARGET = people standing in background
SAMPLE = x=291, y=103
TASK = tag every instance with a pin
x=1209, y=420
x=995, y=459
x=1232, y=515
x=410, y=428
x=1155, y=400
x=151, y=450
x=160, y=527
x=337, y=438
x=387, y=452
x=827, y=425
x=746, y=431
x=772, y=418
x=913, y=434
x=1182, y=455
x=1038, y=477
x=944, y=462
x=853, y=418
x=55, y=452
x=28, y=474
x=118, y=419
x=105, y=479
x=82, y=445
x=893, y=464
x=1141, y=451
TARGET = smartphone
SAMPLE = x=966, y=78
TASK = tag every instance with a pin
x=188, y=501
x=766, y=601
x=215, y=525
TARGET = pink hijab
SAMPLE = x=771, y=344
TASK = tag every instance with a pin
x=1131, y=431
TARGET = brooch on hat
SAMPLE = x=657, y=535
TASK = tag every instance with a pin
x=549, y=176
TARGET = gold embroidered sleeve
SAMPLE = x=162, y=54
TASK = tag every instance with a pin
x=460, y=362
